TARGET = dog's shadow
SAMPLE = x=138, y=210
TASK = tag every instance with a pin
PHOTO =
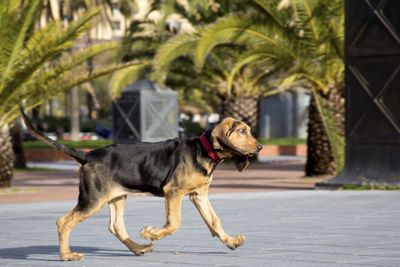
x=34, y=252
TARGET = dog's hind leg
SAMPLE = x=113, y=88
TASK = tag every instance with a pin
x=68, y=222
x=117, y=226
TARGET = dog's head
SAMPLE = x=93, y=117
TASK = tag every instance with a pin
x=233, y=139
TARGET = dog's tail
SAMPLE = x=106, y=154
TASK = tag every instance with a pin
x=78, y=155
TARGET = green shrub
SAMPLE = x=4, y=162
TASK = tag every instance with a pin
x=74, y=144
x=283, y=141
x=369, y=187
x=86, y=125
x=54, y=122
x=90, y=125
x=193, y=127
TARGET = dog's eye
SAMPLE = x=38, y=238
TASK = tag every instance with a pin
x=243, y=131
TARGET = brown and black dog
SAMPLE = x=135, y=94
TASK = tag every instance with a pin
x=173, y=169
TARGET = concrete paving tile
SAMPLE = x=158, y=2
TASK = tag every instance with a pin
x=314, y=228
x=299, y=263
x=395, y=262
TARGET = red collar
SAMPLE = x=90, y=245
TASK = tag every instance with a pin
x=210, y=150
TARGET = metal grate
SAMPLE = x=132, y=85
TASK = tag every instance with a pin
x=144, y=113
x=157, y=119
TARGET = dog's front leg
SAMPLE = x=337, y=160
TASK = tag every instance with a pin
x=173, y=201
x=202, y=203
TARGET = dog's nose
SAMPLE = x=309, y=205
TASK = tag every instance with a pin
x=259, y=147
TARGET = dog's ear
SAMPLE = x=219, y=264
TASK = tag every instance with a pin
x=241, y=162
x=219, y=134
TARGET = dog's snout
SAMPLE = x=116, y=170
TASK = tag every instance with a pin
x=259, y=147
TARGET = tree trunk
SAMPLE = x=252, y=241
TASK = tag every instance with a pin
x=92, y=101
x=16, y=137
x=320, y=156
x=6, y=158
x=74, y=119
x=35, y=118
x=244, y=108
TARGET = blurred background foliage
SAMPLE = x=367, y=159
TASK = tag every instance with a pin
x=221, y=56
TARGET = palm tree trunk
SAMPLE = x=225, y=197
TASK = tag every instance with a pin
x=74, y=119
x=93, y=102
x=320, y=155
x=244, y=108
x=16, y=138
x=6, y=158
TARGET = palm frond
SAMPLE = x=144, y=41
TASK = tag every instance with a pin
x=23, y=77
x=270, y=8
x=37, y=93
x=9, y=7
x=126, y=76
x=45, y=76
x=73, y=80
x=249, y=59
x=16, y=28
x=180, y=45
x=304, y=15
x=261, y=58
x=38, y=52
x=235, y=29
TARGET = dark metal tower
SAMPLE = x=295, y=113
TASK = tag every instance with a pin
x=372, y=94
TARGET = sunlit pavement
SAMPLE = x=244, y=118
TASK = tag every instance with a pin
x=287, y=228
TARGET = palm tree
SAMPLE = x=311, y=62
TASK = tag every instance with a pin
x=197, y=88
x=301, y=44
x=68, y=11
x=6, y=158
x=147, y=37
x=141, y=42
x=24, y=79
x=238, y=87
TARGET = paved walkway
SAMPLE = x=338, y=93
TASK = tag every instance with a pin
x=275, y=174
x=285, y=223
x=287, y=228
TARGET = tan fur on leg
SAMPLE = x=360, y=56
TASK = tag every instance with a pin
x=173, y=203
x=66, y=224
x=203, y=205
x=117, y=226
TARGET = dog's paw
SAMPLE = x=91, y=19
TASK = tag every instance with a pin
x=146, y=248
x=151, y=233
x=72, y=256
x=138, y=249
x=236, y=242
x=143, y=249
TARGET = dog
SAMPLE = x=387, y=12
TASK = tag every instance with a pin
x=169, y=169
